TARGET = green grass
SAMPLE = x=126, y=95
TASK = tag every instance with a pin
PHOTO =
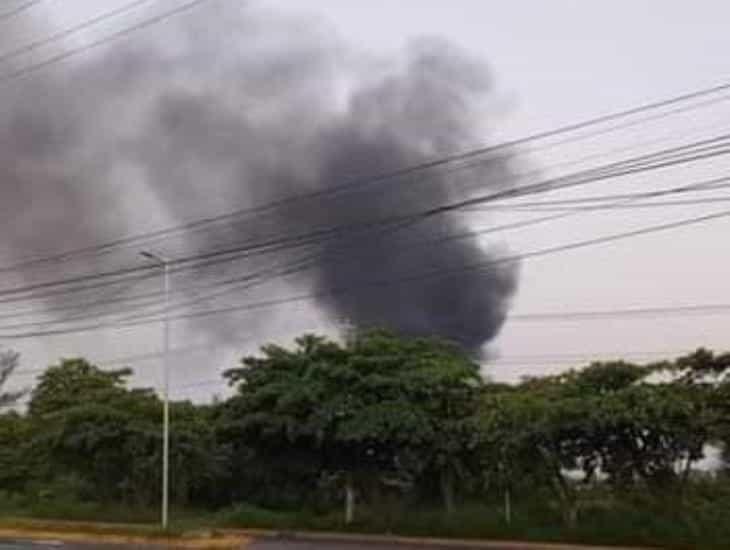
x=88, y=528
x=630, y=523
x=699, y=521
x=107, y=518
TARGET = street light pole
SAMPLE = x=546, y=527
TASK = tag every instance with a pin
x=165, y=264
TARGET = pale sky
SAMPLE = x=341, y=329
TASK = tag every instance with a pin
x=556, y=63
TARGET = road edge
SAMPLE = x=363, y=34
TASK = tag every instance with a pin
x=426, y=542
x=212, y=541
x=129, y=535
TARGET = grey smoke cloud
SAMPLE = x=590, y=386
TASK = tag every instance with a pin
x=232, y=107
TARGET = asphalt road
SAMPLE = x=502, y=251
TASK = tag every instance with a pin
x=260, y=545
x=51, y=545
x=54, y=545
x=319, y=545
x=11, y=545
x=267, y=544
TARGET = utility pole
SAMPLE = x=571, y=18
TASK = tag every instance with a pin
x=164, y=263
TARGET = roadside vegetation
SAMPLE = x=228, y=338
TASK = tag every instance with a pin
x=389, y=435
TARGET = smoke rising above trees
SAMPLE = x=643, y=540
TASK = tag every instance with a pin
x=177, y=122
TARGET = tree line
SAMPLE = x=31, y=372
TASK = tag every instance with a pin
x=376, y=419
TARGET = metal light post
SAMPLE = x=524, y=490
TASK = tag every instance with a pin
x=165, y=264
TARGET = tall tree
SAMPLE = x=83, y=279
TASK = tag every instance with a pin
x=76, y=382
x=93, y=426
x=608, y=421
x=378, y=407
x=705, y=375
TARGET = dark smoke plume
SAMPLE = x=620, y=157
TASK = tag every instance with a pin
x=228, y=108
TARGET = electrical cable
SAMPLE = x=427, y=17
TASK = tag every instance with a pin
x=4, y=16
x=400, y=280
x=387, y=176
x=70, y=31
x=159, y=18
x=694, y=187
x=711, y=185
x=151, y=298
x=306, y=263
x=700, y=150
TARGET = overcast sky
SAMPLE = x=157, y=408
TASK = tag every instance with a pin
x=555, y=63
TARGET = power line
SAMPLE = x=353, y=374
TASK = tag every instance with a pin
x=650, y=312
x=103, y=301
x=421, y=276
x=30, y=69
x=521, y=224
x=53, y=294
x=474, y=267
x=70, y=31
x=251, y=279
x=87, y=304
x=304, y=263
x=298, y=266
x=18, y=10
x=699, y=150
x=604, y=207
x=387, y=176
x=711, y=185
x=620, y=201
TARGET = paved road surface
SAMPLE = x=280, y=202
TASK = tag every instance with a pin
x=261, y=545
x=264, y=544
x=52, y=545
x=319, y=545
x=12, y=545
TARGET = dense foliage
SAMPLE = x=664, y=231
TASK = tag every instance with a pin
x=379, y=425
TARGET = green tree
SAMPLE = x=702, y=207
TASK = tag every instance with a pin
x=608, y=422
x=536, y=430
x=14, y=432
x=379, y=407
x=653, y=434
x=506, y=462
x=705, y=376
x=76, y=382
x=200, y=463
x=91, y=427
x=15, y=467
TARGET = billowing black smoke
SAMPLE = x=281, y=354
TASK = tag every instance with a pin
x=231, y=108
